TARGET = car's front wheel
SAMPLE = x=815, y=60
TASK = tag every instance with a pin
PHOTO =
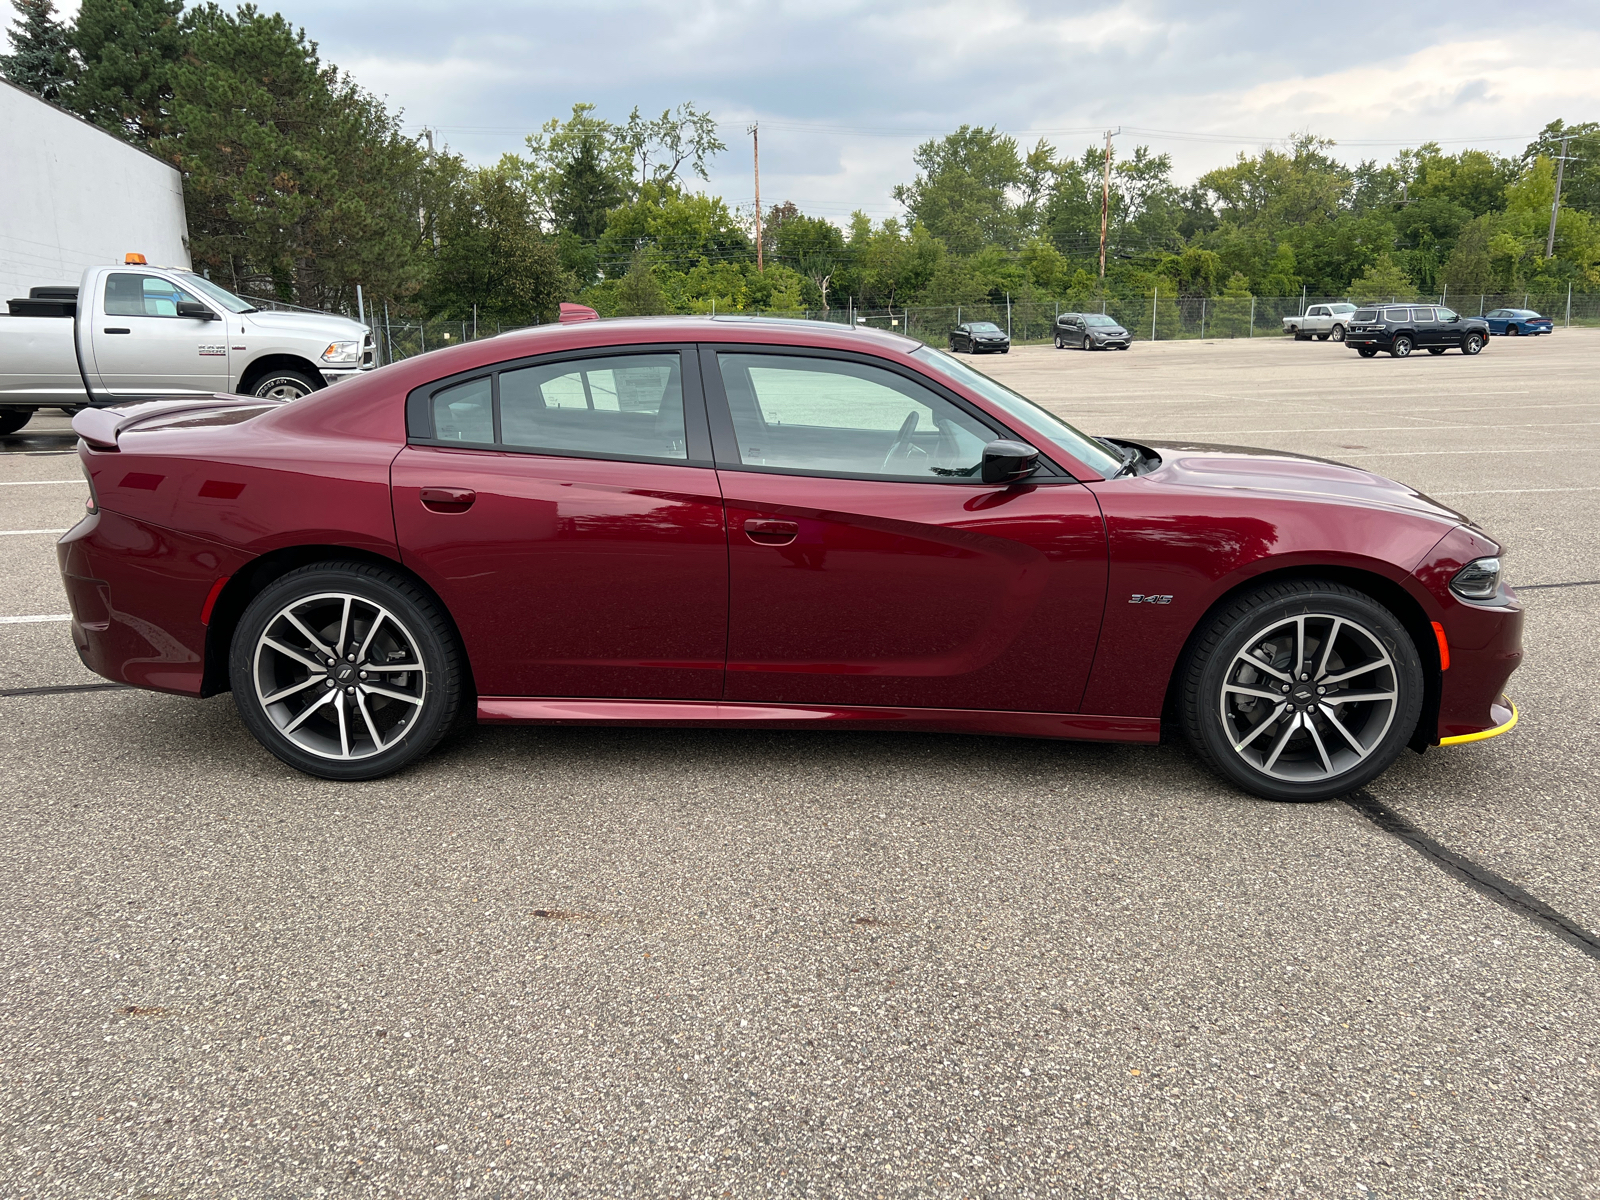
x=1336, y=333
x=1472, y=343
x=346, y=670
x=1059, y=343
x=1401, y=347
x=284, y=385
x=1303, y=690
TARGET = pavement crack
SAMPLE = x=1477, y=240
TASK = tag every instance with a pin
x=1479, y=878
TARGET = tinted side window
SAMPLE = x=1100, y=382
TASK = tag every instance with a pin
x=465, y=413
x=630, y=406
x=131, y=295
x=1422, y=314
x=1364, y=314
x=846, y=418
x=1397, y=316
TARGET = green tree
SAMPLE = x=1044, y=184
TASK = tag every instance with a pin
x=638, y=293
x=1230, y=313
x=1468, y=269
x=41, y=50
x=960, y=193
x=127, y=50
x=493, y=257
x=1383, y=280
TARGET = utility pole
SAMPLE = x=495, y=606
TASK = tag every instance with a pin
x=1555, y=205
x=428, y=133
x=755, y=135
x=1105, y=200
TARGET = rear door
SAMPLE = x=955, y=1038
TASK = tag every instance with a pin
x=566, y=511
x=142, y=347
x=869, y=566
x=1429, y=333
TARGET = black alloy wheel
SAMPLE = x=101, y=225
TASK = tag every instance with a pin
x=1401, y=346
x=1301, y=691
x=1336, y=333
x=284, y=385
x=346, y=671
x=1472, y=343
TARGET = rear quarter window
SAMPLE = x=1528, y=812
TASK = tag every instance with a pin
x=1364, y=314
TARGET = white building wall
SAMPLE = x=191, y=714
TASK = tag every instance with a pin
x=73, y=196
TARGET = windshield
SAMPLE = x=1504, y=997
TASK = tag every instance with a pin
x=1341, y=308
x=984, y=327
x=220, y=295
x=1086, y=450
x=1095, y=319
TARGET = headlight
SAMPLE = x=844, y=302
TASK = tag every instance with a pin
x=342, y=352
x=1478, y=580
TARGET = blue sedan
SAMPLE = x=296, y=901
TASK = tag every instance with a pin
x=1518, y=321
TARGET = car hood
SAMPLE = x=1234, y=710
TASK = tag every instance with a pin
x=1299, y=476
x=1111, y=330
x=317, y=325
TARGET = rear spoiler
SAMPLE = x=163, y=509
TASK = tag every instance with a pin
x=101, y=427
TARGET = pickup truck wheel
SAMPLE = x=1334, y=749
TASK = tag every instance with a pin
x=1322, y=337
x=1336, y=333
x=284, y=385
x=14, y=420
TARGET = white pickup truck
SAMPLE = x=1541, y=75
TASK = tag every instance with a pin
x=135, y=331
x=1320, y=321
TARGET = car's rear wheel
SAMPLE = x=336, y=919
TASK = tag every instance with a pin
x=1322, y=337
x=13, y=420
x=1059, y=343
x=1367, y=351
x=1472, y=343
x=1513, y=331
x=1302, y=691
x=1436, y=349
x=1336, y=333
x=1401, y=346
x=345, y=670
x=284, y=385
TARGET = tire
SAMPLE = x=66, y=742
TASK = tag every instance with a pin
x=1513, y=331
x=1472, y=343
x=284, y=385
x=1436, y=349
x=14, y=419
x=1295, y=331
x=1322, y=337
x=1232, y=697
x=1367, y=351
x=1336, y=333
x=1401, y=347
x=380, y=732
x=1060, y=345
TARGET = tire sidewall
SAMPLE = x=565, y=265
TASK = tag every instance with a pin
x=1402, y=347
x=1473, y=344
x=1206, y=673
x=434, y=641
x=278, y=378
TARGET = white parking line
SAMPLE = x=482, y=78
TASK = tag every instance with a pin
x=1513, y=491
x=1421, y=453
x=34, y=620
x=40, y=482
x=25, y=532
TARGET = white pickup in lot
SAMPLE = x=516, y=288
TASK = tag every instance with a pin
x=1320, y=321
x=136, y=331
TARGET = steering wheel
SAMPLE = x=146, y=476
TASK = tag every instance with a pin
x=902, y=440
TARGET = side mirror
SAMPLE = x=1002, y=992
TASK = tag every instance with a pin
x=193, y=308
x=1008, y=462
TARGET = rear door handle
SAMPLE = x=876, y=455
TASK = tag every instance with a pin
x=116, y=331
x=764, y=531
x=448, y=499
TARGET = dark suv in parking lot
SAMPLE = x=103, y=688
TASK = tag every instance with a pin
x=1402, y=328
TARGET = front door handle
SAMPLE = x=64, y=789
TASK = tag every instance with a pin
x=117, y=331
x=764, y=531
x=448, y=499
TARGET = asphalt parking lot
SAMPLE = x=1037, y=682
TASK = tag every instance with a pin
x=697, y=963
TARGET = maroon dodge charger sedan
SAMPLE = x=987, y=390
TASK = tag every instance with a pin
x=769, y=523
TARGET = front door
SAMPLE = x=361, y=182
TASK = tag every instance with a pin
x=142, y=347
x=868, y=566
x=567, y=513
x=1449, y=328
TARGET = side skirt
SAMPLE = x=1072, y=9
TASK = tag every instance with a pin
x=515, y=710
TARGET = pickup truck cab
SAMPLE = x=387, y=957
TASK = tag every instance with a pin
x=135, y=331
x=1320, y=321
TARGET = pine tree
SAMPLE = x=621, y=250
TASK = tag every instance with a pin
x=127, y=50
x=42, y=51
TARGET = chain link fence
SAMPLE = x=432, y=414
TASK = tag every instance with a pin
x=1149, y=318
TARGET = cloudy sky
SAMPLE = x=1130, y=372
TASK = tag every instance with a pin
x=844, y=91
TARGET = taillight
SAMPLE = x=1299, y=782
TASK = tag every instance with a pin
x=92, y=504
